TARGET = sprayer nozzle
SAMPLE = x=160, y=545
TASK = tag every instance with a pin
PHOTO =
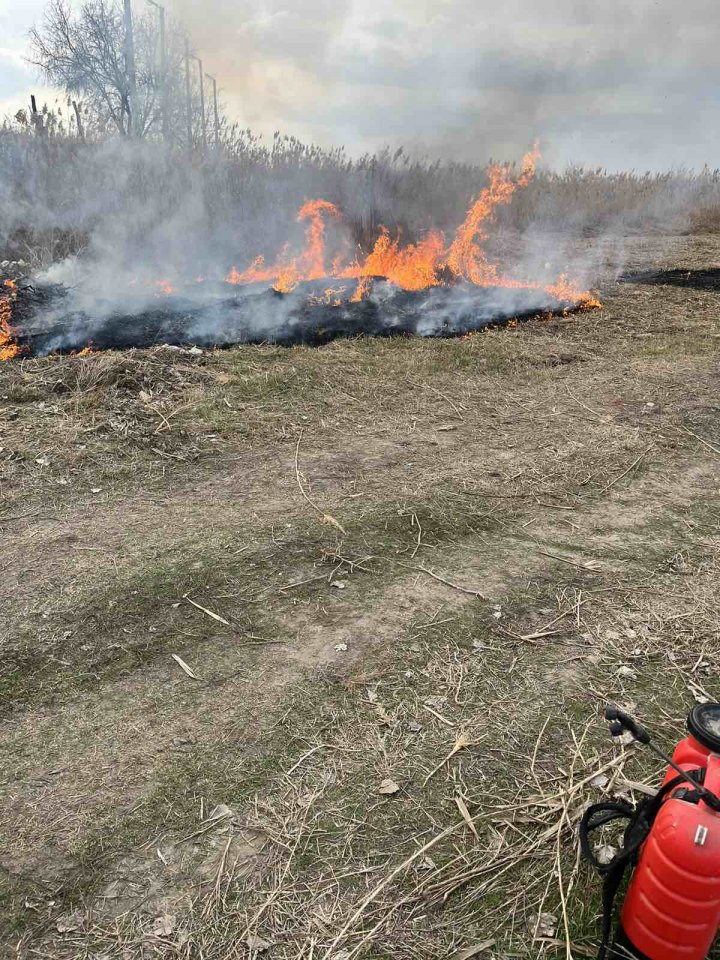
x=621, y=721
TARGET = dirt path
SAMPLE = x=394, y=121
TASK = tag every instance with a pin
x=521, y=518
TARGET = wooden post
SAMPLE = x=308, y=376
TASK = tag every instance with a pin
x=188, y=95
x=202, y=103
x=78, y=117
x=215, y=111
x=163, y=76
x=163, y=71
x=37, y=117
x=134, y=125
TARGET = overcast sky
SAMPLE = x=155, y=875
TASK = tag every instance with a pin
x=620, y=83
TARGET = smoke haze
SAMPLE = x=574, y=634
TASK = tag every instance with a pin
x=626, y=84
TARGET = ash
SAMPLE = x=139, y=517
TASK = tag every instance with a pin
x=53, y=319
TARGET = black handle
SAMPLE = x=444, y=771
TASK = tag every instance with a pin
x=621, y=721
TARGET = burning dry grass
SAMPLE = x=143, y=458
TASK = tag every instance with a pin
x=373, y=760
x=465, y=290
x=8, y=348
x=46, y=214
x=412, y=267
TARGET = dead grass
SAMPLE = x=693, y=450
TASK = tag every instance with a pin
x=46, y=218
x=374, y=760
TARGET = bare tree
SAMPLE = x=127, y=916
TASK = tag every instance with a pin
x=85, y=54
x=84, y=50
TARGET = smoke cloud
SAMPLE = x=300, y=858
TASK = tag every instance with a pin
x=627, y=84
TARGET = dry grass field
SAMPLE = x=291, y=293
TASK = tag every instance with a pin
x=304, y=650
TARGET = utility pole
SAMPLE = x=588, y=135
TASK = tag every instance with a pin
x=163, y=71
x=188, y=95
x=202, y=101
x=215, y=111
x=134, y=126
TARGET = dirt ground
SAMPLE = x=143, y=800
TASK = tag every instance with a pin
x=304, y=651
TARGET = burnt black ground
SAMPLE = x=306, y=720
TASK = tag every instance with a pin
x=708, y=279
x=314, y=313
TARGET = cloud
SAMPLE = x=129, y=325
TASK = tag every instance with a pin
x=16, y=77
x=627, y=83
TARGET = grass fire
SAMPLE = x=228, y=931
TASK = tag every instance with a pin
x=8, y=347
x=430, y=288
x=351, y=496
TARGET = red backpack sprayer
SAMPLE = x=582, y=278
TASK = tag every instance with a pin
x=672, y=906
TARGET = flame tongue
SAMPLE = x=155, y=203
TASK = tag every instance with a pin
x=286, y=273
x=412, y=266
x=466, y=257
x=430, y=263
x=8, y=348
x=311, y=265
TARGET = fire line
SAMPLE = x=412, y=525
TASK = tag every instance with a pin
x=433, y=287
x=429, y=263
x=8, y=347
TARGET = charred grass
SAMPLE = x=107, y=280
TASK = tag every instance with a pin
x=375, y=760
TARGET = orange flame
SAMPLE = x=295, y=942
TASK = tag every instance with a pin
x=285, y=274
x=413, y=266
x=418, y=266
x=466, y=257
x=331, y=298
x=311, y=264
x=8, y=348
x=363, y=290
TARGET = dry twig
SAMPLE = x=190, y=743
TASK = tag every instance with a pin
x=325, y=518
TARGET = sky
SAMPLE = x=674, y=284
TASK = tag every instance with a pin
x=624, y=84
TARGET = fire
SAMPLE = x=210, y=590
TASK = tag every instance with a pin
x=466, y=257
x=410, y=266
x=312, y=263
x=414, y=267
x=286, y=273
x=433, y=261
x=363, y=290
x=331, y=298
x=8, y=348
